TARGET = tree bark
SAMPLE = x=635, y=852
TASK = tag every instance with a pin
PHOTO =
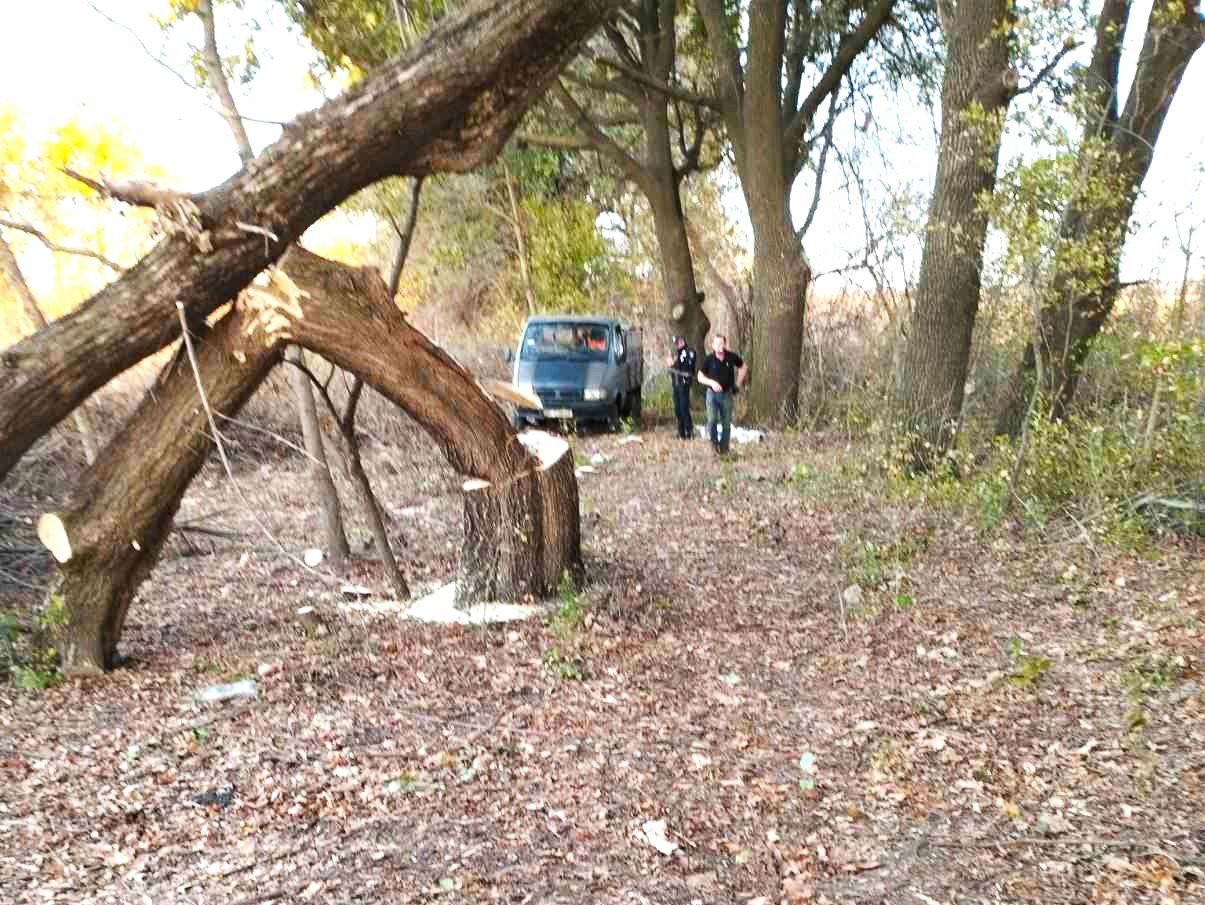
x=977, y=81
x=683, y=301
x=447, y=105
x=125, y=503
x=1082, y=296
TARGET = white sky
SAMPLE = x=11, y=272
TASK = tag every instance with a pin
x=60, y=58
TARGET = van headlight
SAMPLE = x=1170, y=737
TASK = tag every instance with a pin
x=594, y=394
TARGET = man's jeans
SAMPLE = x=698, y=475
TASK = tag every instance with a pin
x=686, y=427
x=719, y=418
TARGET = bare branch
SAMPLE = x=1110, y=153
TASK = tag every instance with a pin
x=617, y=86
x=404, y=236
x=555, y=142
x=647, y=81
x=219, y=82
x=158, y=59
x=1046, y=70
x=851, y=45
x=619, y=43
x=833, y=107
x=140, y=193
x=727, y=58
x=602, y=142
x=62, y=249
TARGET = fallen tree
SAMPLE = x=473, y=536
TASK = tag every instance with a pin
x=521, y=517
x=448, y=104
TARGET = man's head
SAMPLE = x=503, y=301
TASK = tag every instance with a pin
x=679, y=342
x=719, y=344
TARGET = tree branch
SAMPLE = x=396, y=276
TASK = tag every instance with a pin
x=447, y=105
x=828, y=143
x=647, y=81
x=62, y=249
x=851, y=45
x=139, y=193
x=618, y=86
x=219, y=82
x=404, y=236
x=602, y=143
x=1068, y=46
x=556, y=142
x=728, y=60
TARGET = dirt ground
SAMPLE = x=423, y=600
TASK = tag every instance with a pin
x=999, y=718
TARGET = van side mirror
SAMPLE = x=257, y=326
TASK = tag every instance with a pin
x=508, y=354
x=620, y=349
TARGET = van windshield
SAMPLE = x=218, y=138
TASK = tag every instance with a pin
x=565, y=341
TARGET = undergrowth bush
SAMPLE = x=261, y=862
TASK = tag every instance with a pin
x=1101, y=468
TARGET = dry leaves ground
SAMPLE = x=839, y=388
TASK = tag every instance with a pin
x=1008, y=718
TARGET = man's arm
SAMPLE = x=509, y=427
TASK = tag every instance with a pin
x=708, y=382
x=741, y=373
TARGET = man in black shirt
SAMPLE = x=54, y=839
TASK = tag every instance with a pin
x=682, y=375
x=722, y=372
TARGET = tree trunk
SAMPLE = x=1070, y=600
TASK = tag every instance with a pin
x=447, y=105
x=684, y=303
x=662, y=186
x=1083, y=295
x=523, y=535
x=760, y=93
x=108, y=542
x=780, y=281
x=934, y=372
x=11, y=269
x=315, y=450
x=125, y=503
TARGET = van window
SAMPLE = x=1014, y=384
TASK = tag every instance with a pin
x=567, y=341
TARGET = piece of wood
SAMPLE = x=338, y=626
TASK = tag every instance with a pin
x=53, y=535
x=500, y=389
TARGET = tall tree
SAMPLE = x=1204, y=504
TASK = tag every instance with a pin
x=977, y=86
x=1122, y=141
x=630, y=102
x=770, y=121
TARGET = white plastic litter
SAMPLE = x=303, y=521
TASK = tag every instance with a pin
x=654, y=835
x=244, y=688
x=739, y=434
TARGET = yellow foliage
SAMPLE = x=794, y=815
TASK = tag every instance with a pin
x=33, y=190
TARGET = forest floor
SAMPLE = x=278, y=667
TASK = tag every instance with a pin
x=718, y=715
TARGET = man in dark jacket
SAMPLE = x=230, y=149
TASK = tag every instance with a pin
x=681, y=365
x=722, y=372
